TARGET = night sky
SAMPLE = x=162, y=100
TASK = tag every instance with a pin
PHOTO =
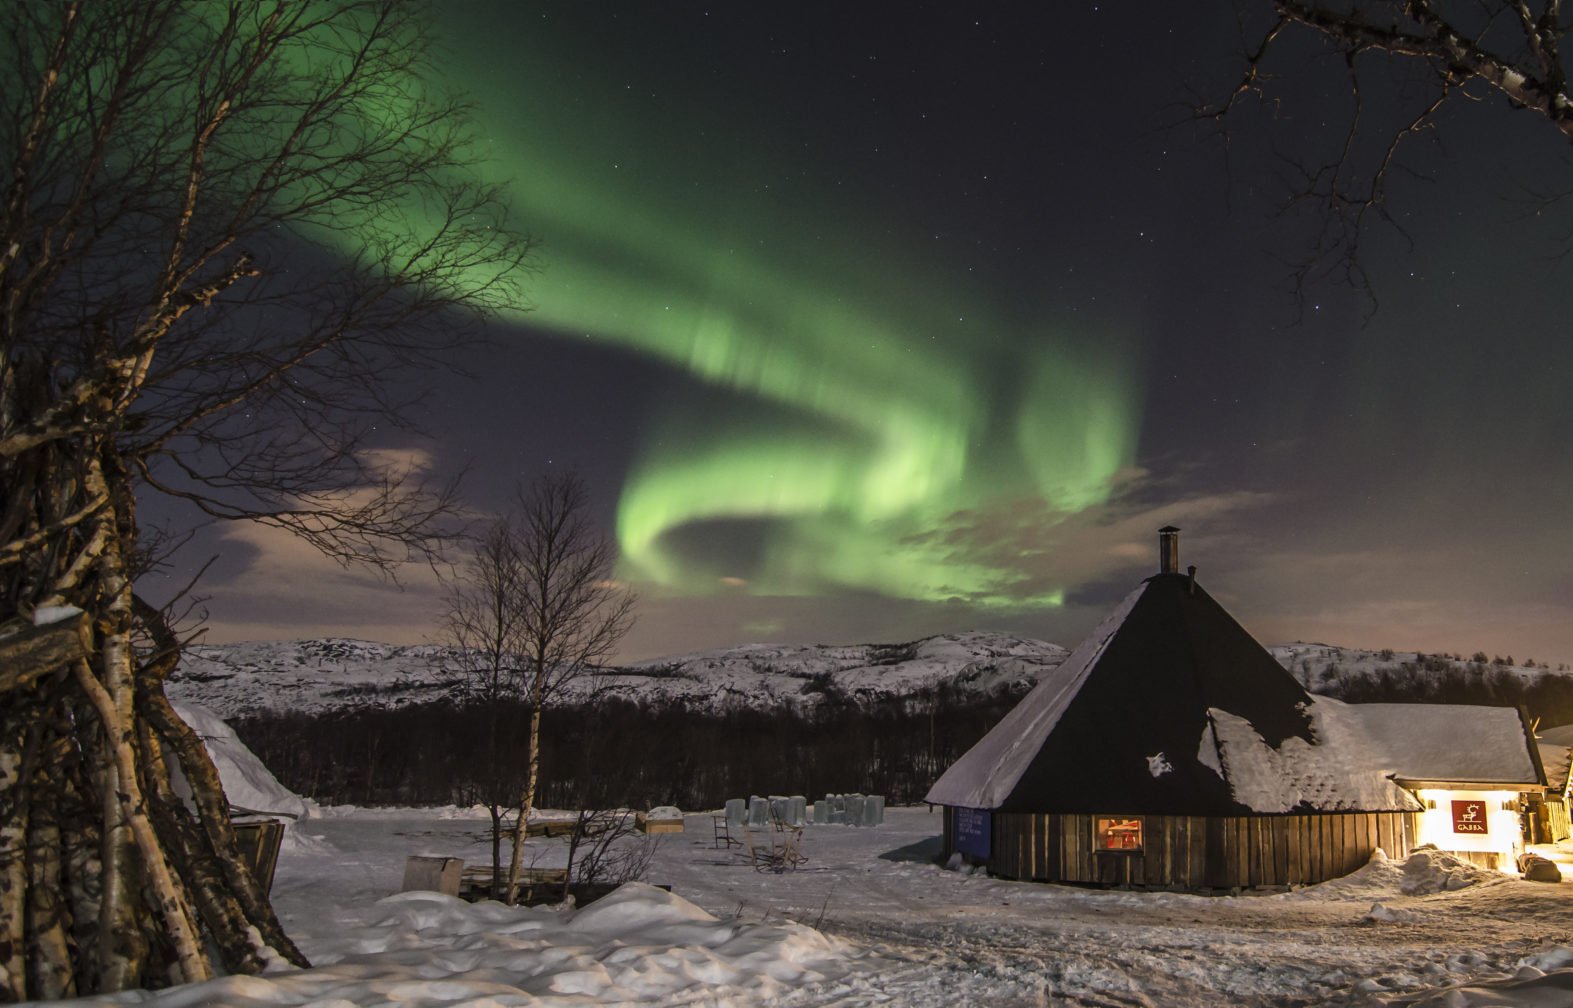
x=865, y=322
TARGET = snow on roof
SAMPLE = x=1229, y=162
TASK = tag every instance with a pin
x=1341, y=770
x=1450, y=742
x=247, y=783
x=990, y=770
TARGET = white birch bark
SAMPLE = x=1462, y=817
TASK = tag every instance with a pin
x=13, y=874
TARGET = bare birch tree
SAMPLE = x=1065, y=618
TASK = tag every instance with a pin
x=1439, y=53
x=483, y=622
x=572, y=614
x=222, y=223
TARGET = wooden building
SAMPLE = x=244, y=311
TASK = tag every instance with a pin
x=1171, y=750
x=1477, y=772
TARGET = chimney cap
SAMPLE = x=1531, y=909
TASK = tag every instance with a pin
x=1168, y=550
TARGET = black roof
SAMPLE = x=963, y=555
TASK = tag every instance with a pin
x=1123, y=726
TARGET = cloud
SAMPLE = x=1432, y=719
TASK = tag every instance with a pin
x=1389, y=596
x=1048, y=551
x=288, y=590
x=276, y=586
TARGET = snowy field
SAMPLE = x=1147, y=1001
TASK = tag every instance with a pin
x=870, y=920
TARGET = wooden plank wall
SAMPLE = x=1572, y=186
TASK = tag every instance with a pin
x=1197, y=852
x=1561, y=827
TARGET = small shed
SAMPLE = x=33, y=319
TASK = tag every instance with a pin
x=1476, y=770
x=1171, y=750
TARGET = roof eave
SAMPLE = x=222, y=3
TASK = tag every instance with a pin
x=1460, y=785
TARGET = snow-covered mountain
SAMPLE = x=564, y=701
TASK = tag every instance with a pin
x=1327, y=668
x=318, y=675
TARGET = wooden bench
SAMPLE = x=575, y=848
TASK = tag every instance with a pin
x=647, y=825
x=563, y=827
x=536, y=885
x=546, y=828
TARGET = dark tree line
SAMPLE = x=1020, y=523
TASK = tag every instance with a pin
x=629, y=753
x=620, y=752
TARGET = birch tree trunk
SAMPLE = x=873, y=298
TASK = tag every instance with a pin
x=527, y=800
x=13, y=863
x=107, y=881
x=570, y=612
x=48, y=913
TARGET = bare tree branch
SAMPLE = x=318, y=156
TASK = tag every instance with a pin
x=1462, y=50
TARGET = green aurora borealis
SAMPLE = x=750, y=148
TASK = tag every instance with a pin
x=869, y=322
x=891, y=406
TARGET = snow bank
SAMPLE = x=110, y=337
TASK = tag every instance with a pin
x=46, y=615
x=1424, y=872
x=247, y=783
x=1377, y=879
x=639, y=944
x=1428, y=870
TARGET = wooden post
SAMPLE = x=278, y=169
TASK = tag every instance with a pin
x=36, y=651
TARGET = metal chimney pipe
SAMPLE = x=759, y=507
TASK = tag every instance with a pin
x=1168, y=550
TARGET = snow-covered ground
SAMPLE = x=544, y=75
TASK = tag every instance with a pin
x=869, y=919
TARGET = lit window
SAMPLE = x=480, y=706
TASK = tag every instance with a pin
x=1117, y=834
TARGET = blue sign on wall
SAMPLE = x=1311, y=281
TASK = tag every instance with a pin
x=972, y=831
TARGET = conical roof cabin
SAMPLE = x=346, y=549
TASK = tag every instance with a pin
x=1169, y=710
x=1123, y=722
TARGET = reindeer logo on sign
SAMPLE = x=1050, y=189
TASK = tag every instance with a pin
x=1469, y=817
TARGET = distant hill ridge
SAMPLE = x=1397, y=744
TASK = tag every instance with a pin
x=315, y=676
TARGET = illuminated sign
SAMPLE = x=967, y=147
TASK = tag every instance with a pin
x=1469, y=817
